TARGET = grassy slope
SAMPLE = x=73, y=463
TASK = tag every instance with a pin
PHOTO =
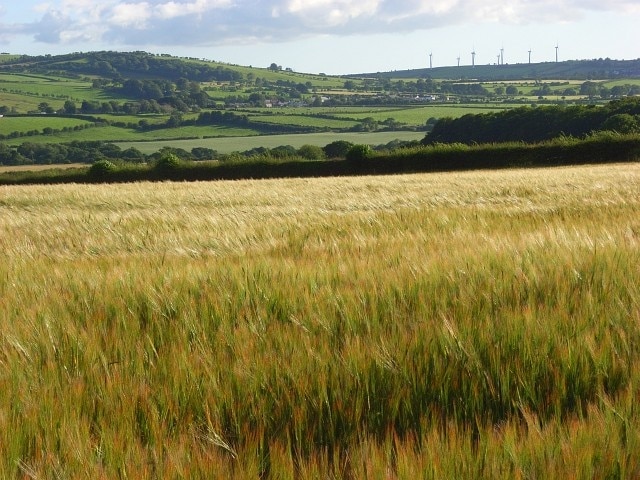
x=574, y=69
x=469, y=325
x=34, y=89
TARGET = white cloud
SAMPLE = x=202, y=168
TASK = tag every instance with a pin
x=177, y=9
x=211, y=22
x=135, y=15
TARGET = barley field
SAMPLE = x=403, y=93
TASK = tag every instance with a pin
x=469, y=325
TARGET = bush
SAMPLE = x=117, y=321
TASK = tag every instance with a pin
x=101, y=169
x=168, y=163
x=358, y=154
x=311, y=152
x=337, y=149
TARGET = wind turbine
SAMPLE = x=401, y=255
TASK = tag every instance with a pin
x=556, y=52
x=498, y=59
x=430, y=62
x=458, y=60
x=502, y=55
x=529, y=55
x=473, y=57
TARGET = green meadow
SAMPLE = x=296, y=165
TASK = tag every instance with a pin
x=38, y=123
x=240, y=143
x=53, y=90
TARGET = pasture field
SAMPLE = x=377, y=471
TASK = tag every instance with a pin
x=626, y=81
x=50, y=89
x=304, y=121
x=26, y=124
x=150, y=118
x=239, y=143
x=7, y=57
x=167, y=136
x=419, y=115
x=471, y=325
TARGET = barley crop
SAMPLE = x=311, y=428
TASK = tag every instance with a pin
x=459, y=325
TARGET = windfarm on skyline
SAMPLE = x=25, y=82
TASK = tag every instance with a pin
x=500, y=57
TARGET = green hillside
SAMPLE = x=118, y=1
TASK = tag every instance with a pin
x=600, y=69
x=143, y=97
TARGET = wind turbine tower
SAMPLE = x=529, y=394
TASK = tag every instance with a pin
x=556, y=53
x=473, y=57
x=430, y=60
x=502, y=55
x=458, y=60
x=529, y=56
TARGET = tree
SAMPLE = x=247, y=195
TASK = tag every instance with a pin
x=622, y=123
x=175, y=120
x=44, y=107
x=589, y=88
x=70, y=107
x=101, y=169
x=203, y=153
x=182, y=84
x=337, y=149
x=358, y=154
x=311, y=152
x=350, y=85
x=511, y=90
x=619, y=91
x=283, y=151
x=168, y=163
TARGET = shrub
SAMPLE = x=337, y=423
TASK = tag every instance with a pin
x=167, y=163
x=359, y=153
x=101, y=169
x=337, y=149
x=311, y=152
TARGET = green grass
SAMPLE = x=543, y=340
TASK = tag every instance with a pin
x=52, y=90
x=240, y=144
x=152, y=119
x=468, y=325
x=150, y=138
x=626, y=81
x=8, y=58
x=420, y=115
x=285, y=118
x=316, y=80
x=25, y=124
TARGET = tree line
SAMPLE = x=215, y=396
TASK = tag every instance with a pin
x=120, y=65
x=534, y=124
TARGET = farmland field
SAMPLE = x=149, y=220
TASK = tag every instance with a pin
x=31, y=168
x=304, y=121
x=53, y=90
x=419, y=115
x=241, y=143
x=469, y=325
x=149, y=139
x=25, y=124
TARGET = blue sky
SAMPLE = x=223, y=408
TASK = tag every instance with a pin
x=330, y=36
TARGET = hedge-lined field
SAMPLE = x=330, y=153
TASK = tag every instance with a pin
x=38, y=123
x=467, y=325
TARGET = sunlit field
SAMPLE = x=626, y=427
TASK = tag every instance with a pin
x=465, y=325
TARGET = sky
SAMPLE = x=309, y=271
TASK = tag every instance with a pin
x=335, y=37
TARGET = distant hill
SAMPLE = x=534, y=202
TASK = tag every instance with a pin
x=121, y=65
x=601, y=69
x=117, y=65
